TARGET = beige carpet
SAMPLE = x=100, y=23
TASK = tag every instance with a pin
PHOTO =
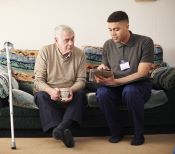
x=155, y=144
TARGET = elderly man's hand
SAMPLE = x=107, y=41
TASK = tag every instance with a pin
x=55, y=94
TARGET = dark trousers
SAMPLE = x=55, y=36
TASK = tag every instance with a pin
x=133, y=96
x=52, y=113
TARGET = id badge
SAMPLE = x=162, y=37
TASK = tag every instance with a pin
x=124, y=65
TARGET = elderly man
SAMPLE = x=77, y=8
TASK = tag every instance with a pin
x=60, y=65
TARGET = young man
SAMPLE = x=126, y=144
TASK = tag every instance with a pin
x=129, y=56
x=60, y=65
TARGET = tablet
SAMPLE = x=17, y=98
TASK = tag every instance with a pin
x=103, y=73
x=96, y=72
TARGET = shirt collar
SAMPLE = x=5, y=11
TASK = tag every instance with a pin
x=65, y=56
x=129, y=43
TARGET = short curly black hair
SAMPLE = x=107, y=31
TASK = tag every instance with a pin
x=118, y=16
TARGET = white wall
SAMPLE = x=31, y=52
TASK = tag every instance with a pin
x=29, y=24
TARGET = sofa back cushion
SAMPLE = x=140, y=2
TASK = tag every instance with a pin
x=93, y=56
x=158, y=54
x=22, y=63
x=4, y=84
x=163, y=77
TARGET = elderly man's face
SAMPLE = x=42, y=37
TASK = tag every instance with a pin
x=65, y=42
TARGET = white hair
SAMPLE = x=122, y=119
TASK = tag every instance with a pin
x=59, y=29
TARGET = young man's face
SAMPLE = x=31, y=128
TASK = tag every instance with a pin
x=65, y=42
x=119, y=31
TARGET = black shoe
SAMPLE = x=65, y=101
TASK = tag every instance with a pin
x=138, y=141
x=68, y=139
x=114, y=139
x=57, y=133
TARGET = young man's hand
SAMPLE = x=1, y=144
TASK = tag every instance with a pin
x=102, y=66
x=105, y=81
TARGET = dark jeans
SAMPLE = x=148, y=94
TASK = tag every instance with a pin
x=52, y=113
x=133, y=95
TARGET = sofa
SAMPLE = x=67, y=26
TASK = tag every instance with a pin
x=159, y=110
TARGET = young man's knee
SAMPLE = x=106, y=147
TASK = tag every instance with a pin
x=102, y=92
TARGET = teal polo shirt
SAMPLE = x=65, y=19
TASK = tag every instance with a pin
x=138, y=49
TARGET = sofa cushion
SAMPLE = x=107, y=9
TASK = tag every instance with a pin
x=23, y=99
x=3, y=83
x=158, y=54
x=4, y=87
x=91, y=99
x=158, y=98
x=93, y=56
x=22, y=62
x=163, y=77
x=19, y=112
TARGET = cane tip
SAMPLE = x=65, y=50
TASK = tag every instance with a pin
x=13, y=146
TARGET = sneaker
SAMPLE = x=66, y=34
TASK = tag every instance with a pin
x=114, y=139
x=138, y=141
x=68, y=139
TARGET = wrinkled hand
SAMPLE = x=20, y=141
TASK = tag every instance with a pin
x=55, y=94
